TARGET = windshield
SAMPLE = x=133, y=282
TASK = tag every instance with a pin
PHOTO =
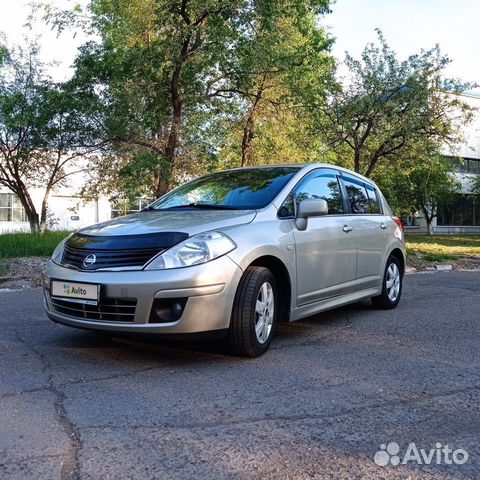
x=242, y=189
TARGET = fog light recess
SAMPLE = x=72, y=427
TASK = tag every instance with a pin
x=167, y=310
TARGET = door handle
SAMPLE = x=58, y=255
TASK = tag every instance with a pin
x=383, y=226
x=347, y=228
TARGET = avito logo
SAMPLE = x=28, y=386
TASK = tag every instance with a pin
x=71, y=290
x=389, y=454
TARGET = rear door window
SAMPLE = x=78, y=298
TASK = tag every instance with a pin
x=357, y=195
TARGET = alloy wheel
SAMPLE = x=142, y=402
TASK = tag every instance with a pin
x=264, y=312
x=393, y=282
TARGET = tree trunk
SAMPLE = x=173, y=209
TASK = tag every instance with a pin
x=44, y=211
x=161, y=185
x=34, y=223
x=356, y=160
x=429, y=213
x=27, y=203
x=429, y=226
x=176, y=124
x=32, y=217
x=33, y=220
x=171, y=147
x=247, y=145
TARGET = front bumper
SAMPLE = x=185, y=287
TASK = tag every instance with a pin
x=210, y=289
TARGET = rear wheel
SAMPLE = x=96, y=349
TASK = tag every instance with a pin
x=392, y=285
x=254, y=313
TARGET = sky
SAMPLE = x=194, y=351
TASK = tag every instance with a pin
x=408, y=26
x=54, y=48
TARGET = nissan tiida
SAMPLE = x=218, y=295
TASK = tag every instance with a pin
x=232, y=253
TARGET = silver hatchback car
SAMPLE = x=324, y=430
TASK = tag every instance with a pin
x=232, y=253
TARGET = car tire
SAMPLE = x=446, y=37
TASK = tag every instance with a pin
x=254, y=313
x=391, y=286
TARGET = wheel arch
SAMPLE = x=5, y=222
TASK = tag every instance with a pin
x=284, y=283
x=400, y=256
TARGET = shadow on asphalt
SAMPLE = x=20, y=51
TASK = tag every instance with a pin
x=151, y=345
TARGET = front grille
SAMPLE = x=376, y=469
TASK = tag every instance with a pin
x=75, y=257
x=109, y=309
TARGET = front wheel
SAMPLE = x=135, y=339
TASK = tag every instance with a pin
x=254, y=313
x=392, y=285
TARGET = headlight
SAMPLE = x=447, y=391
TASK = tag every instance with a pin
x=58, y=252
x=195, y=250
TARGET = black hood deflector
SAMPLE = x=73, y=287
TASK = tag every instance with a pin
x=147, y=241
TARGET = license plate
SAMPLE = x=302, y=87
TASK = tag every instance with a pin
x=78, y=291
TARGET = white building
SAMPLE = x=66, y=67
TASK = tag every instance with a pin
x=67, y=209
x=463, y=214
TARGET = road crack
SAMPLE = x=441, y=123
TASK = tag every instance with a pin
x=70, y=465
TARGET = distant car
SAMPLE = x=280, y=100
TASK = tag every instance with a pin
x=234, y=253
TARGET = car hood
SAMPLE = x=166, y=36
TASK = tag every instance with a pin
x=190, y=222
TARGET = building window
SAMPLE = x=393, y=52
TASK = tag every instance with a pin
x=465, y=165
x=464, y=211
x=123, y=207
x=11, y=209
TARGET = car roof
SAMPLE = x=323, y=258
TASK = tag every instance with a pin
x=304, y=168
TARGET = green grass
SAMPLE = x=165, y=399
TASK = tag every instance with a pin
x=13, y=245
x=438, y=248
x=438, y=257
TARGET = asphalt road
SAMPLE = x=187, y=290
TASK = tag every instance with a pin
x=319, y=404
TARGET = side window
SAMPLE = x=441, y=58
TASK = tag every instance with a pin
x=320, y=184
x=357, y=195
x=373, y=199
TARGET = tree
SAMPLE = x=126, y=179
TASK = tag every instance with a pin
x=148, y=70
x=173, y=76
x=423, y=184
x=42, y=131
x=281, y=54
x=390, y=106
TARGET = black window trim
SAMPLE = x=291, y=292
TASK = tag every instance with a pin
x=307, y=174
x=345, y=175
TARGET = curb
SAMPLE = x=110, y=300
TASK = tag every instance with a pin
x=442, y=267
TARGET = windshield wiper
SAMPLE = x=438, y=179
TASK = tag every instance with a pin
x=207, y=206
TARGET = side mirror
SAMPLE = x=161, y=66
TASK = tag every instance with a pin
x=313, y=207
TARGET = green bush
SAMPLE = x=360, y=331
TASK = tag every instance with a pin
x=13, y=245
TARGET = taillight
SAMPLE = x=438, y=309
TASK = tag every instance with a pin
x=399, y=222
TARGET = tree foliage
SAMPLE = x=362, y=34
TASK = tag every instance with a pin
x=177, y=78
x=280, y=60
x=388, y=107
x=422, y=185
x=44, y=130
x=169, y=89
